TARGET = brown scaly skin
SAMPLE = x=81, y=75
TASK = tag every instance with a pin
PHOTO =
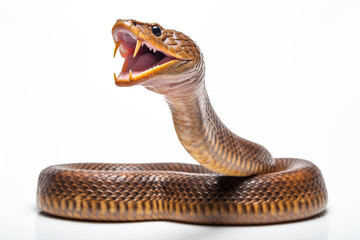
x=238, y=183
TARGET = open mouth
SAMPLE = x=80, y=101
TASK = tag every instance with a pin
x=141, y=57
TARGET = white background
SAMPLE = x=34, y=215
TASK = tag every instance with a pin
x=282, y=73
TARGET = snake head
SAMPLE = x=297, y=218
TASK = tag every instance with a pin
x=155, y=57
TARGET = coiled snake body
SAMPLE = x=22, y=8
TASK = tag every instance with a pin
x=238, y=181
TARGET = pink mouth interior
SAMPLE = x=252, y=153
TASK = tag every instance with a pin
x=145, y=58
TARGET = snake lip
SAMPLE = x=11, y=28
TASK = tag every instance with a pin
x=142, y=61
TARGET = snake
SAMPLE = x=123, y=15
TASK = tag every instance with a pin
x=236, y=181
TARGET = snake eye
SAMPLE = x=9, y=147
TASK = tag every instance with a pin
x=156, y=30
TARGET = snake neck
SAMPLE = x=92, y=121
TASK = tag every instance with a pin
x=207, y=139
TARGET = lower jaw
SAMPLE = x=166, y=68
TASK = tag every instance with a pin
x=163, y=76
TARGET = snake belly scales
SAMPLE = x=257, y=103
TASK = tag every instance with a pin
x=238, y=181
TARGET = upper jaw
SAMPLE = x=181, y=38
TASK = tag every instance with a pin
x=144, y=56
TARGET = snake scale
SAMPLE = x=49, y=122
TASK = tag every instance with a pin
x=238, y=181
